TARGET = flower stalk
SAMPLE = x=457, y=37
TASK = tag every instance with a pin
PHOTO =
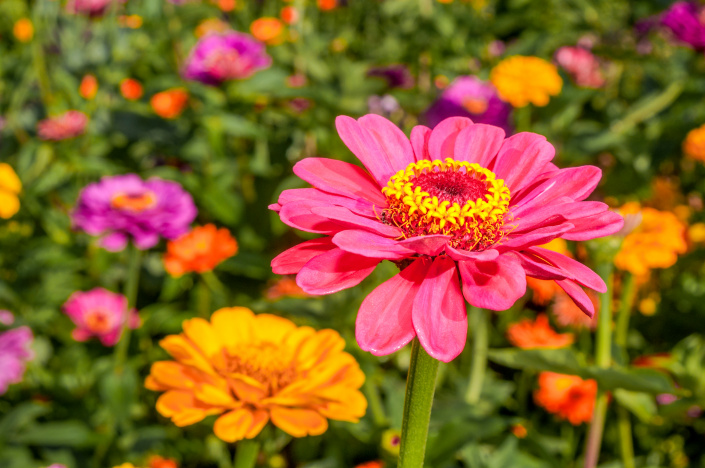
x=246, y=454
x=131, y=287
x=621, y=333
x=420, y=387
x=479, y=326
x=603, y=359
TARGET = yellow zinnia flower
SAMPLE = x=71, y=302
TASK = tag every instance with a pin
x=254, y=368
x=654, y=243
x=694, y=144
x=10, y=187
x=522, y=80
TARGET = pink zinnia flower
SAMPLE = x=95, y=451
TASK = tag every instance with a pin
x=90, y=7
x=15, y=352
x=456, y=205
x=582, y=66
x=99, y=313
x=70, y=124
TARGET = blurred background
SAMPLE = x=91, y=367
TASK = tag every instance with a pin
x=93, y=88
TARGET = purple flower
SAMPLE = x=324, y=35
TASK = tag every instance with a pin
x=397, y=76
x=685, y=20
x=228, y=56
x=124, y=206
x=15, y=352
x=100, y=313
x=468, y=96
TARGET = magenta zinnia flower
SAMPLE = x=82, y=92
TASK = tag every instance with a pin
x=125, y=206
x=99, y=313
x=470, y=97
x=686, y=21
x=456, y=205
x=15, y=352
x=228, y=56
x=90, y=7
x=70, y=124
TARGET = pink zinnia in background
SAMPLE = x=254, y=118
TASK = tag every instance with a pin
x=582, y=66
x=15, y=352
x=125, y=206
x=686, y=20
x=219, y=57
x=456, y=205
x=70, y=124
x=469, y=96
x=90, y=7
x=100, y=313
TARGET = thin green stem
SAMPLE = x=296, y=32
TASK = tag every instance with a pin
x=204, y=299
x=131, y=287
x=625, y=309
x=420, y=386
x=523, y=118
x=626, y=445
x=375, y=403
x=603, y=359
x=480, y=342
x=246, y=453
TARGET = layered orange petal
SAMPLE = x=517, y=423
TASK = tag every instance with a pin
x=299, y=422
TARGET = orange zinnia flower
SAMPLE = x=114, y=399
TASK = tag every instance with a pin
x=655, y=243
x=254, y=368
x=199, y=251
x=523, y=80
x=567, y=396
x=289, y=14
x=285, y=287
x=537, y=334
x=169, y=104
x=268, y=30
x=131, y=89
x=89, y=87
x=371, y=464
x=155, y=461
x=326, y=5
x=23, y=30
x=694, y=144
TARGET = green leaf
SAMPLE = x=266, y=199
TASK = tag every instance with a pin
x=641, y=404
x=563, y=361
x=64, y=434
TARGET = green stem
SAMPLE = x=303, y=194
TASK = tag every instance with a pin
x=478, y=324
x=131, y=286
x=603, y=359
x=375, y=403
x=625, y=438
x=204, y=299
x=420, y=386
x=522, y=117
x=625, y=310
x=246, y=453
x=212, y=281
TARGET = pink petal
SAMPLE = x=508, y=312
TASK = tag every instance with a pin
x=478, y=143
x=557, y=212
x=522, y=157
x=460, y=255
x=334, y=271
x=575, y=270
x=371, y=245
x=538, y=236
x=430, y=245
x=595, y=226
x=291, y=261
x=384, y=322
x=438, y=313
x=365, y=146
x=441, y=144
x=575, y=182
x=537, y=267
x=275, y=207
x=299, y=215
x=357, y=205
x=494, y=285
x=581, y=299
x=391, y=139
x=114, y=242
x=341, y=178
x=419, y=142
x=344, y=217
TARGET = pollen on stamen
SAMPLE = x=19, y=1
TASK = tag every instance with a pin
x=455, y=198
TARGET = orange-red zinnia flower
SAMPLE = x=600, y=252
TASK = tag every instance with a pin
x=567, y=396
x=268, y=30
x=169, y=104
x=529, y=334
x=156, y=461
x=89, y=87
x=199, y=251
x=131, y=89
x=23, y=30
x=251, y=369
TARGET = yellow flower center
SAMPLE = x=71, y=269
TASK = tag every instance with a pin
x=455, y=198
x=263, y=362
x=98, y=321
x=133, y=202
